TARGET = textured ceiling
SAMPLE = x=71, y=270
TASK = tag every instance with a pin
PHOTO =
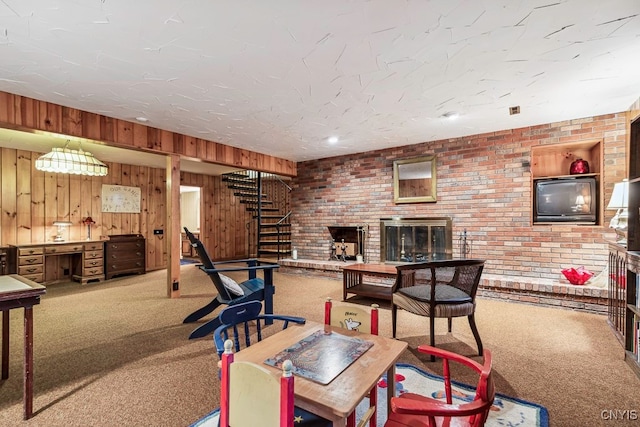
x=281, y=77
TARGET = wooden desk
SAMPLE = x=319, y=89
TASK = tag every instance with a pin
x=43, y=262
x=16, y=292
x=336, y=400
x=352, y=280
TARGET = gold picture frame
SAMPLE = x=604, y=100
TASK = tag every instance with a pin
x=414, y=180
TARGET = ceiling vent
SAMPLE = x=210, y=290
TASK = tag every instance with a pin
x=514, y=110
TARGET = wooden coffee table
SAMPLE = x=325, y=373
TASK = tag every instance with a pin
x=352, y=280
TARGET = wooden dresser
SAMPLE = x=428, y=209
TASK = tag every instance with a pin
x=53, y=262
x=125, y=254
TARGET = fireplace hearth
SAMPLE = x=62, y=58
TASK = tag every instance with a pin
x=405, y=240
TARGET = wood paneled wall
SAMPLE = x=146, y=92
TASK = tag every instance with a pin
x=31, y=200
x=22, y=113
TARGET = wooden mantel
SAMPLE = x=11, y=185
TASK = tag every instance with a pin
x=31, y=115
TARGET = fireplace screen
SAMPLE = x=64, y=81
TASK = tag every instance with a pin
x=415, y=239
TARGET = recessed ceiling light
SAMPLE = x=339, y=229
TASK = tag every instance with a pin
x=333, y=139
x=142, y=119
x=451, y=115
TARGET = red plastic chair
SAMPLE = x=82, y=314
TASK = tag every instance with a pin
x=356, y=318
x=414, y=410
x=250, y=395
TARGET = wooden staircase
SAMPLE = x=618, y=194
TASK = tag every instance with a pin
x=267, y=197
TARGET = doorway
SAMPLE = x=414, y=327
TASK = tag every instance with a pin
x=190, y=218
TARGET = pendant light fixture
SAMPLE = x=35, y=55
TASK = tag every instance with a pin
x=66, y=160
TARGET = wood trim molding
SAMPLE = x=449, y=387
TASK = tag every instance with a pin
x=31, y=115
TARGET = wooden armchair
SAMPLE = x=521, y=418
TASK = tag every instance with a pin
x=414, y=410
x=230, y=292
x=443, y=289
x=352, y=317
x=243, y=324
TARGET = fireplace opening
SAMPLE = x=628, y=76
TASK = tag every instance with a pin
x=353, y=239
x=405, y=240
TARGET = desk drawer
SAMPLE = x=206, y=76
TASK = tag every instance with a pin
x=93, y=254
x=39, y=277
x=24, y=270
x=92, y=271
x=30, y=251
x=62, y=249
x=93, y=262
x=30, y=260
x=94, y=246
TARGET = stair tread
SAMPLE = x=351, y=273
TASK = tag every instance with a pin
x=273, y=251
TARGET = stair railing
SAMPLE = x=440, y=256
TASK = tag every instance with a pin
x=278, y=233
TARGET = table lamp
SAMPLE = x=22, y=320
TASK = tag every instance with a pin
x=61, y=225
x=620, y=201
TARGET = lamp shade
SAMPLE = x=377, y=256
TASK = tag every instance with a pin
x=620, y=196
x=65, y=160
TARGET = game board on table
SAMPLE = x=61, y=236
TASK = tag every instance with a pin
x=321, y=356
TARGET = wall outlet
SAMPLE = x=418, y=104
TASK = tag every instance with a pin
x=158, y=231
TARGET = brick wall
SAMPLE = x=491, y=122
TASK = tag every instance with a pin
x=484, y=185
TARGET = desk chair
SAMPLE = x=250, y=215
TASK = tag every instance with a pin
x=414, y=410
x=356, y=318
x=230, y=292
x=237, y=322
x=438, y=289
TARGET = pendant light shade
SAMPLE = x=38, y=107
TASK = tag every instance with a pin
x=65, y=160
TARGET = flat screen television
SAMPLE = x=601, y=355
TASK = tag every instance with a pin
x=566, y=200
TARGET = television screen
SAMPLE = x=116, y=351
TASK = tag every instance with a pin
x=566, y=200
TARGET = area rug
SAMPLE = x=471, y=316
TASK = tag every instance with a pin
x=506, y=411
x=185, y=261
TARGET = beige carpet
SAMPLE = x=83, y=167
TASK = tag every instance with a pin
x=117, y=354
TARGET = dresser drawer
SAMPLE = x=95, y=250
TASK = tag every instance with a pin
x=24, y=270
x=124, y=265
x=30, y=260
x=38, y=250
x=125, y=256
x=130, y=249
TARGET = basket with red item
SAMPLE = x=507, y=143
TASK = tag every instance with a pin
x=577, y=276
